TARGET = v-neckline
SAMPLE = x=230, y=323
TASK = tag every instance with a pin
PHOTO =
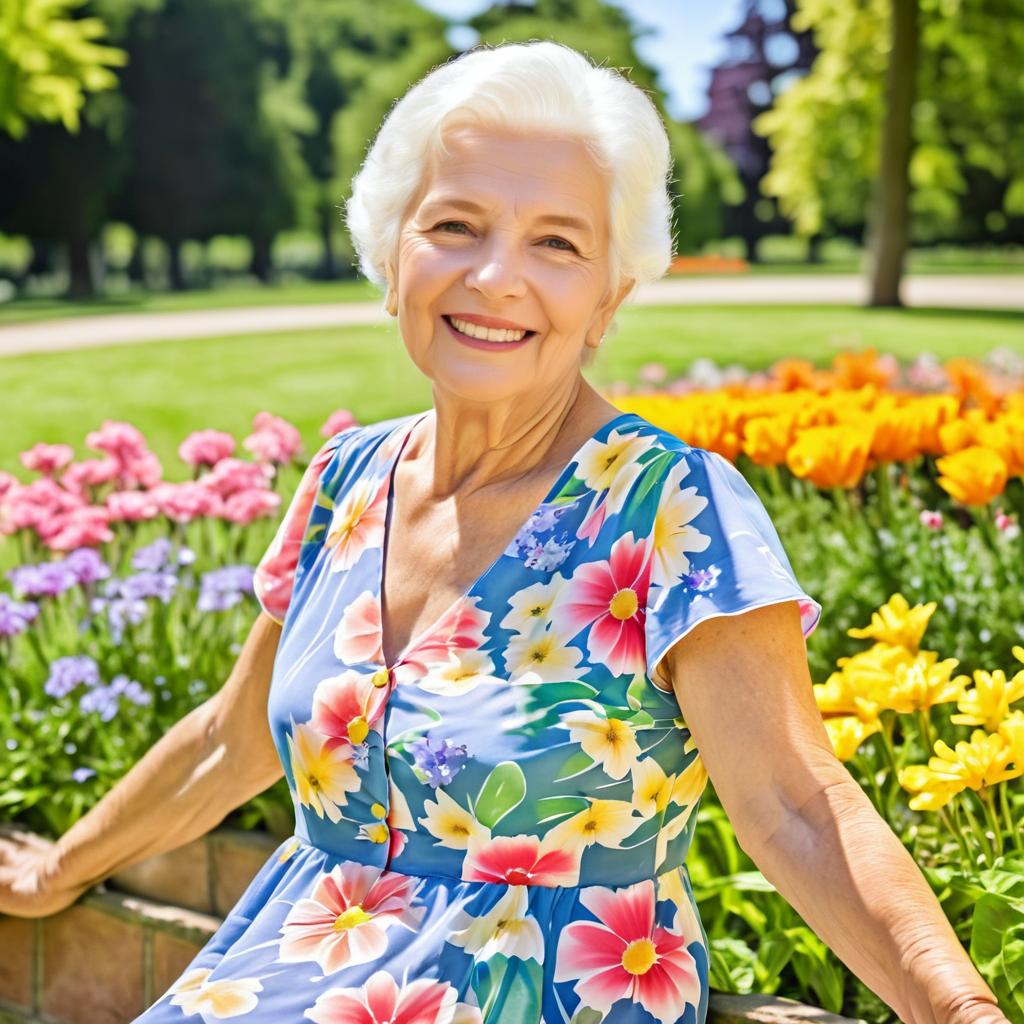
x=392, y=462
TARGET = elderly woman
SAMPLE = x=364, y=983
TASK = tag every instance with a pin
x=505, y=641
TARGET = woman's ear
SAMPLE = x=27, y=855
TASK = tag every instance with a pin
x=391, y=297
x=604, y=313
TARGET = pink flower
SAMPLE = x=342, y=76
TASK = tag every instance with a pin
x=520, y=860
x=120, y=440
x=358, y=522
x=29, y=505
x=346, y=918
x=231, y=475
x=625, y=955
x=381, y=1001
x=82, y=527
x=933, y=520
x=132, y=506
x=206, y=447
x=653, y=373
x=461, y=628
x=90, y=473
x=143, y=470
x=612, y=595
x=273, y=439
x=245, y=506
x=7, y=481
x=47, y=458
x=358, y=636
x=186, y=501
x=346, y=707
x=339, y=420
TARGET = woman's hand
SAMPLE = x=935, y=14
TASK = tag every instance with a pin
x=976, y=1010
x=30, y=879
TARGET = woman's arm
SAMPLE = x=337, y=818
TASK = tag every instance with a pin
x=214, y=759
x=746, y=695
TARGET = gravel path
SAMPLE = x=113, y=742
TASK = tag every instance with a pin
x=1004, y=291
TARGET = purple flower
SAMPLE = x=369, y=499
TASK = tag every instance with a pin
x=48, y=579
x=100, y=699
x=153, y=557
x=149, y=584
x=15, y=616
x=87, y=565
x=439, y=765
x=130, y=689
x=547, y=556
x=223, y=588
x=81, y=774
x=69, y=672
x=703, y=579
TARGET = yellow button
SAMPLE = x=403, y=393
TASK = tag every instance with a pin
x=380, y=677
x=378, y=811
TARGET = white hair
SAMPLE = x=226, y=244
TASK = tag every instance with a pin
x=539, y=86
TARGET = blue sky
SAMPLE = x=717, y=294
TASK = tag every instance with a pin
x=685, y=46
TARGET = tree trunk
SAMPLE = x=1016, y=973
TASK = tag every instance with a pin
x=137, y=263
x=814, y=248
x=261, y=265
x=328, y=265
x=750, y=247
x=890, y=212
x=174, y=268
x=82, y=283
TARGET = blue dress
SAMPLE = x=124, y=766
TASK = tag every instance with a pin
x=493, y=828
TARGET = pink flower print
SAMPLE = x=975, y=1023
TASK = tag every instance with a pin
x=613, y=596
x=358, y=636
x=460, y=629
x=345, y=920
x=47, y=458
x=339, y=420
x=346, y=707
x=381, y=1001
x=520, y=860
x=625, y=955
x=358, y=523
x=273, y=439
x=206, y=447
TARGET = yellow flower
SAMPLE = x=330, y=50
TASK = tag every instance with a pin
x=323, y=772
x=931, y=793
x=605, y=822
x=293, y=844
x=831, y=456
x=974, y=475
x=976, y=763
x=848, y=732
x=1011, y=728
x=674, y=535
x=544, y=658
x=766, y=439
x=451, y=824
x=507, y=928
x=897, y=623
x=925, y=683
x=609, y=741
x=863, y=684
x=989, y=701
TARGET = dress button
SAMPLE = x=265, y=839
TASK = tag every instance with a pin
x=380, y=677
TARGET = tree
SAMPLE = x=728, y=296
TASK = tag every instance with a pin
x=48, y=62
x=826, y=130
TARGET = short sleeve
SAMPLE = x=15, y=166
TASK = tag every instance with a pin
x=715, y=552
x=274, y=576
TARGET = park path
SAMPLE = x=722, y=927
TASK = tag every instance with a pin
x=982, y=291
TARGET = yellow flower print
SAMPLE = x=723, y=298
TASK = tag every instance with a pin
x=543, y=658
x=609, y=741
x=604, y=822
x=507, y=928
x=323, y=772
x=673, y=535
x=463, y=671
x=229, y=997
x=451, y=824
x=612, y=466
x=531, y=607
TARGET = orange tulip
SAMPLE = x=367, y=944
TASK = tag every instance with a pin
x=766, y=439
x=974, y=476
x=830, y=456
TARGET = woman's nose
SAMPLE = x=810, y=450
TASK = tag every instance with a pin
x=497, y=270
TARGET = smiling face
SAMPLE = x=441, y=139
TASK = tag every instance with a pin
x=503, y=275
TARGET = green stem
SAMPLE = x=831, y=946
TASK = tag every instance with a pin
x=1013, y=832
x=979, y=833
x=926, y=731
x=955, y=831
x=885, y=493
x=986, y=797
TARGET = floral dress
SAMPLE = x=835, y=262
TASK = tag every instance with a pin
x=494, y=828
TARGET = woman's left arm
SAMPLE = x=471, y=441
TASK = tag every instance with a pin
x=746, y=695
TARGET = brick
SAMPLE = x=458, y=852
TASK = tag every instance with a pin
x=93, y=969
x=17, y=961
x=171, y=955
x=180, y=876
x=237, y=857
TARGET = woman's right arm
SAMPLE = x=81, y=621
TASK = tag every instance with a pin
x=213, y=760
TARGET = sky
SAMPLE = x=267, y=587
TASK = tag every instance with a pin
x=687, y=42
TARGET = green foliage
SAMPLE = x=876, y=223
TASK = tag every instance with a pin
x=824, y=130
x=49, y=60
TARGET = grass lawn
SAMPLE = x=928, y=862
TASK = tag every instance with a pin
x=168, y=389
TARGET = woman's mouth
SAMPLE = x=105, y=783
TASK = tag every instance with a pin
x=488, y=338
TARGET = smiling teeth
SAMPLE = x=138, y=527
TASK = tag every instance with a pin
x=486, y=333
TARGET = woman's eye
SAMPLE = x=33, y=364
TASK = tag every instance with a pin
x=563, y=244
x=446, y=224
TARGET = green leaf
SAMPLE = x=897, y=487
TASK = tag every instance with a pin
x=575, y=764
x=503, y=790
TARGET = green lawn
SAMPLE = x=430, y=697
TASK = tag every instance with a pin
x=171, y=388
